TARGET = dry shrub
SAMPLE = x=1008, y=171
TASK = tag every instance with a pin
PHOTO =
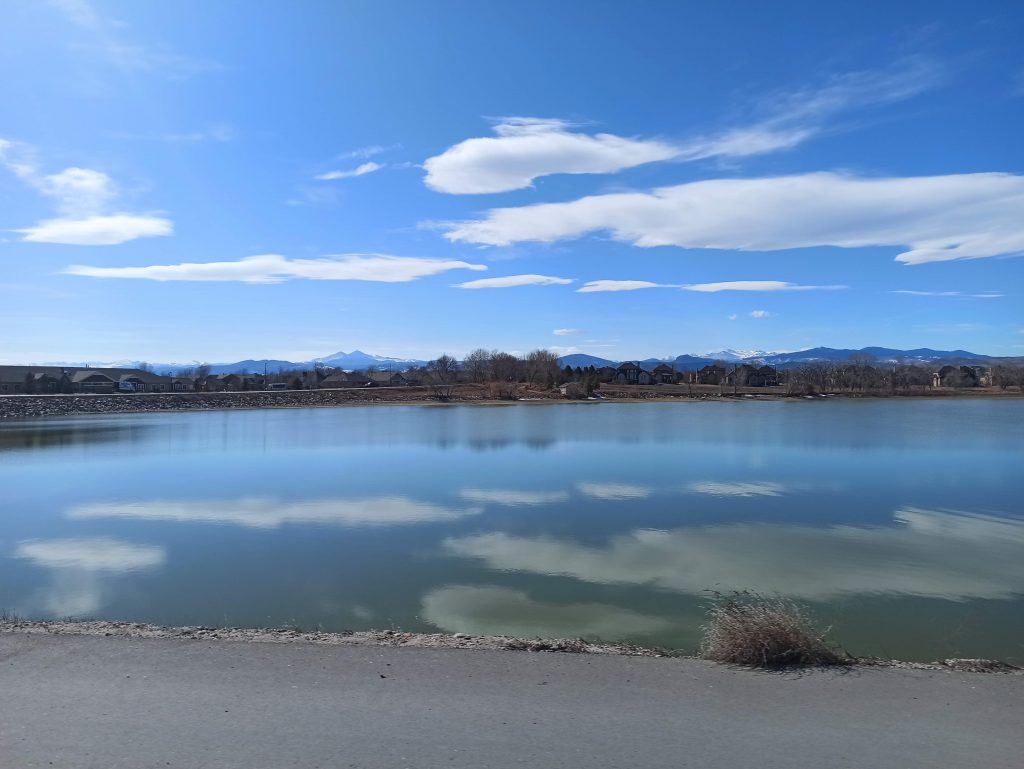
x=747, y=628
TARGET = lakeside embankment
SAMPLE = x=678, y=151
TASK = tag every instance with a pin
x=34, y=406
x=100, y=701
x=400, y=638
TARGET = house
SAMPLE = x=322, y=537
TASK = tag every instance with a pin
x=343, y=379
x=183, y=384
x=386, y=379
x=631, y=373
x=712, y=374
x=752, y=376
x=664, y=374
x=92, y=381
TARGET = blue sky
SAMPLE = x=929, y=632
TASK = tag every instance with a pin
x=198, y=181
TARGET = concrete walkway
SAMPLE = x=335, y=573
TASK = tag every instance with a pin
x=80, y=701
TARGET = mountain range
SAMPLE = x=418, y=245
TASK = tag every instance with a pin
x=357, y=360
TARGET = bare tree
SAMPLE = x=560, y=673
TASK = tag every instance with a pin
x=441, y=376
x=477, y=365
x=504, y=367
x=542, y=368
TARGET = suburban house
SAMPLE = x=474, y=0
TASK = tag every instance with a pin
x=49, y=380
x=962, y=376
x=386, y=379
x=664, y=374
x=712, y=374
x=752, y=376
x=342, y=379
x=632, y=373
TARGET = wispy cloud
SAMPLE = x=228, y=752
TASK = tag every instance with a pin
x=760, y=314
x=733, y=316
x=566, y=331
x=794, y=117
x=941, y=218
x=220, y=133
x=273, y=268
x=365, y=153
x=600, y=286
x=961, y=294
x=83, y=198
x=755, y=285
x=361, y=170
x=106, y=38
x=513, y=281
x=526, y=148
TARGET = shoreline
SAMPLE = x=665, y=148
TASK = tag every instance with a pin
x=15, y=407
x=452, y=641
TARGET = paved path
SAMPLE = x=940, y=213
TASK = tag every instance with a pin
x=79, y=701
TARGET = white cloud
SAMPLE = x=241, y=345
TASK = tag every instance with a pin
x=599, y=286
x=513, y=497
x=83, y=197
x=512, y=281
x=723, y=489
x=614, y=491
x=526, y=148
x=933, y=554
x=755, y=285
x=503, y=611
x=940, y=218
x=269, y=513
x=566, y=331
x=733, y=316
x=760, y=314
x=361, y=170
x=987, y=295
x=273, y=268
x=98, y=230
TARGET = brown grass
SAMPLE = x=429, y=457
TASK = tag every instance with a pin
x=747, y=628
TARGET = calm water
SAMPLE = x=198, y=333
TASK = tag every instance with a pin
x=900, y=523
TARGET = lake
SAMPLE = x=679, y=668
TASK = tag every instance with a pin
x=900, y=523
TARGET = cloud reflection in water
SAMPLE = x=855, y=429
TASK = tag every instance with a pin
x=934, y=554
x=502, y=611
x=269, y=513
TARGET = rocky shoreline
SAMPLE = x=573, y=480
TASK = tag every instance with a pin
x=399, y=638
x=33, y=406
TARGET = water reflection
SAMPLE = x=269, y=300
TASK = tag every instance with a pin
x=502, y=611
x=512, y=497
x=937, y=554
x=614, y=491
x=719, y=489
x=21, y=436
x=82, y=569
x=269, y=513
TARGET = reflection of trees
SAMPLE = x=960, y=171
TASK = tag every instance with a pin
x=64, y=434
